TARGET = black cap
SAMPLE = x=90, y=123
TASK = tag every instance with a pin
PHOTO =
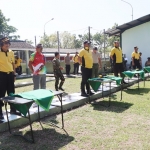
x=136, y=47
x=4, y=40
x=39, y=46
x=95, y=48
x=148, y=57
x=86, y=42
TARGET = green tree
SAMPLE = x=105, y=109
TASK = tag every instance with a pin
x=49, y=41
x=29, y=41
x=67, y=40
x=98, y=39
x=5, y=29
x=111, y=39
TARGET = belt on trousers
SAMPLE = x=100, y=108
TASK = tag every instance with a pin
x=6, y=72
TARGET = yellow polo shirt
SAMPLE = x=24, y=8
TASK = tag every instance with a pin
x=135, y=55
x=75, y=59
x=6, y=61
x=19, y=62
x=86, y=56
x=117, y=54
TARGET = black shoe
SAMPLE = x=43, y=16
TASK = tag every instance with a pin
x=84, y=94
x=1, y=116
x=60, y=88
x=56, y=89
x=90, y=93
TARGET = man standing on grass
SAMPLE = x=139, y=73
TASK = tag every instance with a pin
x=19, y=67
x=37, y=67
x=136, y=59
x=7, y=72
x=67, y=63
x=57, y=72
x=76, y=63
x=85, y=58
x=116, y=56
x=96, y=63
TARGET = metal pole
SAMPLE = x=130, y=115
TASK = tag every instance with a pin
x=104, y=46
x=46, y=23
x=35, y=41
x=58, y=40
x=131, y=7
x=27, y=61
x=89, y=34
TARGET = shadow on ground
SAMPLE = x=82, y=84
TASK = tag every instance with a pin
x=136, y=91
x=115, y=106
x=47, y=138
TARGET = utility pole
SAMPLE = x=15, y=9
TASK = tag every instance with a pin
x=89, y=34
x=58, y=41
x=104, y=46
x=35, y=41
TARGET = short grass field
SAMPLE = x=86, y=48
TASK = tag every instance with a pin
x=125, y=125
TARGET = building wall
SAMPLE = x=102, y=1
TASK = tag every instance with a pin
x=137, y=36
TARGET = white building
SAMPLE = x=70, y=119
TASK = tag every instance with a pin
x=134, y=33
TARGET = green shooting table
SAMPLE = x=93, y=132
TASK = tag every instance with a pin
x=96, y=82
x=23, y=101
x=147, y=70
x=131, y=74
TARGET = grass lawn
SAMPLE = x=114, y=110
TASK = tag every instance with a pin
x=125, y=125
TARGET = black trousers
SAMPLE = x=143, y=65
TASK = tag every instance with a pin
x=6, y=84
x=19, y=70
x=76, y=68
x=68, y=69
x=118, y=68
x=86, y=74
x=136, y=64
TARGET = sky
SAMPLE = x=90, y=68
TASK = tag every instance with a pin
x=74, y=16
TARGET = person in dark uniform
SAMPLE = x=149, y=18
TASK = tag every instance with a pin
x=140, y=60
x=147, y=63
x=57, y=72
x=7, y=72
x=85, y=58
x=116, y=56
x=136, y=59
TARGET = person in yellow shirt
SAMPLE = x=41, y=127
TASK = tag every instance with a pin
x=85, y=58
x=76, y=63
x=136, y=59
x=116, y=56
x=18, y=63
x=7, y=72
